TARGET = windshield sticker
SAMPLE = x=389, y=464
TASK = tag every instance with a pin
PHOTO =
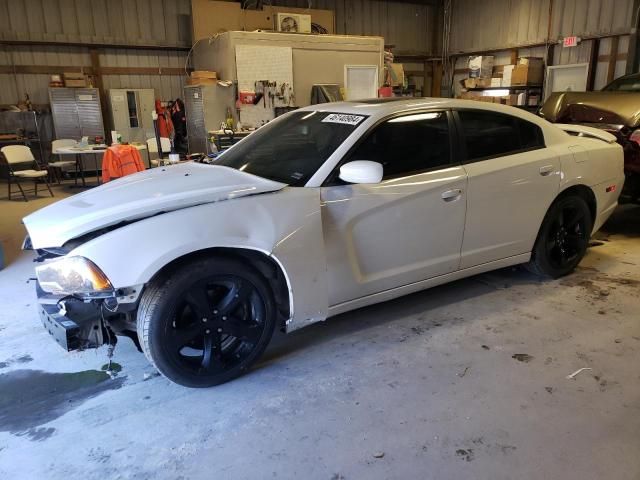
x=343, y=118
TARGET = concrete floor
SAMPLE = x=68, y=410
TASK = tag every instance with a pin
x=466, y=380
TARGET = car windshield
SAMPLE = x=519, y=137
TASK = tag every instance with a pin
x=624, y=84
x=291, y=149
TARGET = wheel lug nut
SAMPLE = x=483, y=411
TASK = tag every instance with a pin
x=215, y=311
x=224, y=318
x=207, y=331
x=204, y=320
x=219, y=330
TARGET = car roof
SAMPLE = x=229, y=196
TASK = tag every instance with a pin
x=387, y=106
x=378, y=108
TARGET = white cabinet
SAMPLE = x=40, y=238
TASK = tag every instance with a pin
x=131, y=113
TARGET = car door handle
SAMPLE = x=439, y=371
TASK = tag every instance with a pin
x=546, y=170
x=451, y=195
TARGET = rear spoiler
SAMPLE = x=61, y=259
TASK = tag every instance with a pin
x=583, y=131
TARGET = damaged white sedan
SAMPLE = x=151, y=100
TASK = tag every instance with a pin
x=324, y=210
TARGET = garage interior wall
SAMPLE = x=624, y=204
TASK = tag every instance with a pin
x=408, y=26
x=162, y=30
x=44, y=37
x=498, y=27
x=413, y=28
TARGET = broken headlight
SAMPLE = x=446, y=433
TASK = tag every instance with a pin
x=72, y=276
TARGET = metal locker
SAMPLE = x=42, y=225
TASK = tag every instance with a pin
x=64, y=111
x=89, y=112
x=206, y=108
x=76, y=112
x=194, y=110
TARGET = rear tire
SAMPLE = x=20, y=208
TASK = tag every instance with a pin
x=207, y=322
x=563, y=238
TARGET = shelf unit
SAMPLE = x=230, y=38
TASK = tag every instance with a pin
x=517, y=89
x=25, y=129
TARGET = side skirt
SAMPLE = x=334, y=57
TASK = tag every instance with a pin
x=424, y=284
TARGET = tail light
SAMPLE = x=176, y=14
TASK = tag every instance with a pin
x=635, y=137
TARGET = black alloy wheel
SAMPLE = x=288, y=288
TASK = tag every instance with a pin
x=563, y=238
x=207, y=323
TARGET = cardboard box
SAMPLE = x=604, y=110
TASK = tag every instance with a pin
x=507, y=72
x=75, y=83
x=74, y=80
x=204, y=74
x=511, y=99
x=477, y=82
x=201, y=81
x=496, y=82
x=534, y=100
x=531, y=61
x=73, y=75
x=527, y=75
x=480, y=66
x=470, y=95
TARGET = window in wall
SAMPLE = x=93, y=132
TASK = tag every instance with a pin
x=133, y=109
x=408, y=144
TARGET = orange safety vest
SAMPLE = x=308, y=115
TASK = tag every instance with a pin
x=120, y=160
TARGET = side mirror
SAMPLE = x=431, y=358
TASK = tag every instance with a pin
x=361, y=171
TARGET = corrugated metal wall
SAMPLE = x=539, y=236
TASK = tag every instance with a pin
x=126, y=22
x=408, y=26
x=166, y=86
x=589, y=18
x=497, y=24
x=14, y=86
x=113, y=22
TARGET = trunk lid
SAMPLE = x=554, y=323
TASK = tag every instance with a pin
x=604, y=107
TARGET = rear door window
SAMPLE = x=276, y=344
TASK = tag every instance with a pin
x=488, y=134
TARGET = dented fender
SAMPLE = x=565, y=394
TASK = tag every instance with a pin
x=285, y=225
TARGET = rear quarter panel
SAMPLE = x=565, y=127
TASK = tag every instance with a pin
x=596, y=164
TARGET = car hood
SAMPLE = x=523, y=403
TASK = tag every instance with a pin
x=139, y=196
x=622, y=108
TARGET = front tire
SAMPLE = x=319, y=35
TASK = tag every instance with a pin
x=563, y=238
x=207, y=322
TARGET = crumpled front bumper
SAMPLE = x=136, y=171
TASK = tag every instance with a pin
x=73, y=324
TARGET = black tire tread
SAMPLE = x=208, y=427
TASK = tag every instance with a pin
x=535, y=265
x=148, y=303
x=158, y=288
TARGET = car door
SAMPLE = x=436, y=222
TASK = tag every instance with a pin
x=405, y=229
x=512, y=180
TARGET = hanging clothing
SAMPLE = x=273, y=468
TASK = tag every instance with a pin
x=120, y=160
x=165, y=125
x=179, y=120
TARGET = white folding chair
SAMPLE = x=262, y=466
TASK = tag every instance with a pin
x=59, y=165
x=152, y=147
x=16, y=155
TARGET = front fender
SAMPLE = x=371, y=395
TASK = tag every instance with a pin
x=284, y=224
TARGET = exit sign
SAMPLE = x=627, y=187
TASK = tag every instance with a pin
x=570, y=41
